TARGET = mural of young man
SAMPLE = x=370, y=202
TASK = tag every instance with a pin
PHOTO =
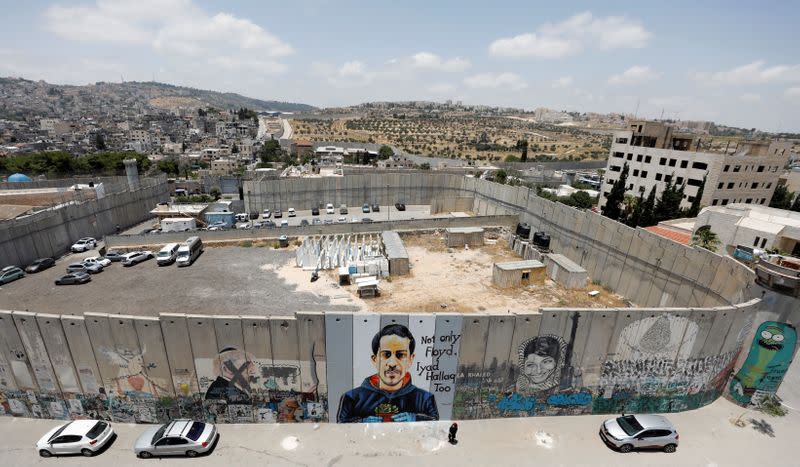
x=388, y=395
x=234, y=373
x=540, y=361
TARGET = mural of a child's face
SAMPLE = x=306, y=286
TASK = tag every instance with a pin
x=538, y=367
x=392, y=361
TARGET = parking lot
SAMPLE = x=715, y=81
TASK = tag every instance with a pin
x=230, y=280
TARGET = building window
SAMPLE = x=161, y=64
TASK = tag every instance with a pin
x=763, y=242
x=754, y=185
x=699, y=165
x=614, y=168
x=647, y=159
x=720, y=185
x=672, y=162
x=763, y=200
x=622, y=140
x=630, y=187
x=667, y=178
x=755, y=243
x=726, y=168
x=639, y=158
x=730, y=186
x=644, y=174
x=679, y=181
x=658, y=177
x=760, y=168
x=714, y=202
x=694, y=182
x=749, y=200
x=768, y=185
x=724, y=202
x=635, y=172
x=684, y=164
x=736, y=168
x=526, y=275
x=630, y=156
x=619, y=154
x=662, y=161
x=690, y=199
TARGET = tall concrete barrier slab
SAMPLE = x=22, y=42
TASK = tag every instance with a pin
x=474, y=335
x=58, y=352
x=155, y=364
x=80, y=350
x=180, y=358
x=21, y=368
x=313, y=362
x=339, y=357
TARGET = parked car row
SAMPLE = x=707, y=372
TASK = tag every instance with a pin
x=88, y=437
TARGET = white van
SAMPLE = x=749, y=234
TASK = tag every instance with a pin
x=167, y=254
x=329, y=209
x=242, y=217
x=189, y=251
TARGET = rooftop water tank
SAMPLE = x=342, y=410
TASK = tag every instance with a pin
x=19, y=178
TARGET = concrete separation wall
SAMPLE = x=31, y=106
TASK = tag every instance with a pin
x=311, y=367
x=131, y=241
x=52, y=231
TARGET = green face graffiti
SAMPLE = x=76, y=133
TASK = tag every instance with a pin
x=771, y=338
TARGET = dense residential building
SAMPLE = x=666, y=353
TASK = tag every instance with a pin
x=657, y=154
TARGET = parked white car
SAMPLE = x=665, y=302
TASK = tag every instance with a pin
x=76, y=437
x=84, y=244
x=292, y=212
x=97, y=260
x=136, y=257
x=329, y=209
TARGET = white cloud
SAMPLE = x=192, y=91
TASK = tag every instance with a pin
x=750, y=98
x=563, y=82
x=751, y=73
x=634, y=75
x=428, y=60
x=442, y=88
x=495, y=80
x=792, y=92
x=176, y=28
x=572, y=36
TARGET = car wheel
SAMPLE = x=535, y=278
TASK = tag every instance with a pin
x=45, y=453
x=145, y=455
x=87, y=452
x=670, y=448
x=191, y=453
x=625, y=448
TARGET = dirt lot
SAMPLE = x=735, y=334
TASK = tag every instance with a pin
x=451, y=280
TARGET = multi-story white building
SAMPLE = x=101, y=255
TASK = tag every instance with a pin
x=656, y=155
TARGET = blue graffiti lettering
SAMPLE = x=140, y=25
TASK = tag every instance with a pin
x=580, y=398
x=517, y=402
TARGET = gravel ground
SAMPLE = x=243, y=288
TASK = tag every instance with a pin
x=229, y=280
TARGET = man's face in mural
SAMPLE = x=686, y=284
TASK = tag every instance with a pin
x=392, y=361
x=771, y=338
x=235, y=367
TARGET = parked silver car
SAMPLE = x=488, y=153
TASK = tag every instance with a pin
x=91, y=268
x=630, y=432
x=136, y=257
x=176, y=438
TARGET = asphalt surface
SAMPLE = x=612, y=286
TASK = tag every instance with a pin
x=355, y=214
x=707, y=438
x=227, y=280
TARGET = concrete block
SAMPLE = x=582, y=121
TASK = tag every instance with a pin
x=80, y=349
x=154, y=356
x=175, y=331
x=313, y=357
x=37, y=352
x=595, y=330
x=203, y=340
x=365, y=326
x=285, y=352
x=58, y=351
x=447, y=344
x=16, y=354
x=423, y=328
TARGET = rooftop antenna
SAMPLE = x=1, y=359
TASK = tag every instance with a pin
x=662, y=114
x=636, y=112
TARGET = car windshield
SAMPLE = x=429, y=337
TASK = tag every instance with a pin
x=629, y=424
x=158, y=434
x=96, y=430
x=183, y=253
x=195, y=430
x=58, y=432
x=163, y=254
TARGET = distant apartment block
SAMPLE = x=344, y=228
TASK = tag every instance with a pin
x=223, y=167
x=657, y=154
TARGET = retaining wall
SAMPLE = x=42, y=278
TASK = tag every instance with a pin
x=52, y=231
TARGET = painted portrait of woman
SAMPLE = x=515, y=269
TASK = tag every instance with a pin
x=540, y=361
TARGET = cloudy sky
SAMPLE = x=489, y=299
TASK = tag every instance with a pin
x=736, y=65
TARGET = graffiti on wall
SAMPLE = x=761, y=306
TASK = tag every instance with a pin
x=657, y=337
x=769, y=358
x=389, y=395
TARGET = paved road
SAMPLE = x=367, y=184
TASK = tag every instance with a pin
x=386, y=213
x=707, y=437
x=287, y=130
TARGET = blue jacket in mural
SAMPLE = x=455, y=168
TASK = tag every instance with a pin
x=369, y=401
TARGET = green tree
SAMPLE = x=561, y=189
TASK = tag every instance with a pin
x=795, y=204
x=271, y=151
x=612, y=209
x=694, y=210
x=385, y=152
x=501, y=176
x=705, y=238
x=781, y=198
x=425, y=166
x=647, y=216
x=668, y=205
x=581, y=199
x=100, y=142
x=168, y=166
x=215, y=193
x=511, y=158
x=636, y=213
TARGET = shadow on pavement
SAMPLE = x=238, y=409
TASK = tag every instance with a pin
x=762, y=426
